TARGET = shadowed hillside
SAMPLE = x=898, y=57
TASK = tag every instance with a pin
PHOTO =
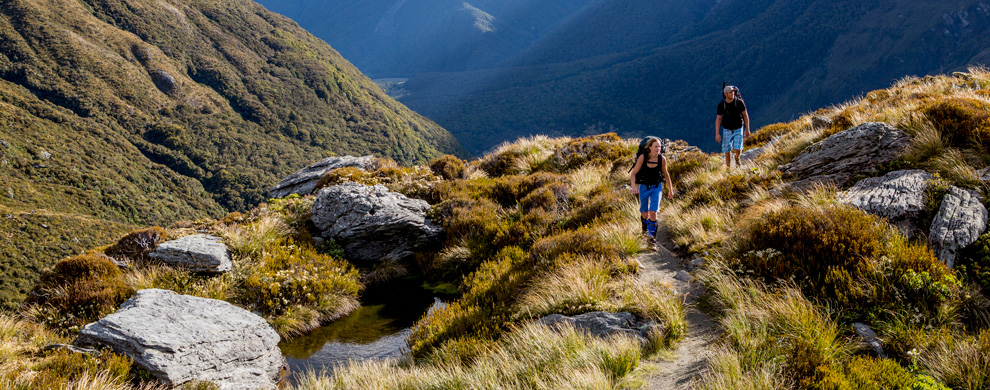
x=142, y=112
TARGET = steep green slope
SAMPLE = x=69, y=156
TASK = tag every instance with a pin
x=142, y=112
x=788, y=56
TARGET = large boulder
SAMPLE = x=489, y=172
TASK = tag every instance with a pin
x=961, y=219
x=371, y=223
x=303, y=181
x=857, y=151
x=197, y=253
x=605, y=324
x=181, y=338
x=897, y=196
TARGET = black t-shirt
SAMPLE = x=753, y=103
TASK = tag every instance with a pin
x=732, y=113
x=650, y=175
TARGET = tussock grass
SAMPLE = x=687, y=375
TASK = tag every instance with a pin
x=532, y=356
x=962, y=363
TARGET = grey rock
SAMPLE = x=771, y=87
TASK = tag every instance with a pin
x=198, y=253
x=897, y=196
x=696, y=263
x=820, y=122
x=859, y=150
x=164, y=81
x=961, y=219
x=984, y=174
x=605, y=324
x=181, y=338
x=683, y=276
x=5, y=144
x=303, y=181
x=870, y=338
x=753, y=154
x=70, y=348
x=371, y=223
x=45, y=155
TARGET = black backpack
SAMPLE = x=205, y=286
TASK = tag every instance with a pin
x=642, y=148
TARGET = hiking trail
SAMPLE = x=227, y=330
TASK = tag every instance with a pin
x=691, y=354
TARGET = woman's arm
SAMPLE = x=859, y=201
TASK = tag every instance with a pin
x=666, y=175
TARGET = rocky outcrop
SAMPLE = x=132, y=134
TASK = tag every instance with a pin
x=303, y=181
x=820, y=122
x=859, y=150
x=605, y=324
x=371, y=223
x=181, y=338
x=197, y=253
x=897, y=196
x=961, y=219
x=164, y=81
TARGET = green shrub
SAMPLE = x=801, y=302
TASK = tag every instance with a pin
x=868, y=373
x=603, y=206
x=845, y=256
x=137, y=245
x=291, y=274
x=572, y=243
x=448, y=167
x=79, y=290
x=342, y=175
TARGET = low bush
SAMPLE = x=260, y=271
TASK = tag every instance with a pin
x=448, y=167
x=973, y=263
x=79, y=290
x=603, y=149
x=961, y=120
x=572, y=243
x=867, y=373
x=291, y=276
x=136, y=245
x=847, y=257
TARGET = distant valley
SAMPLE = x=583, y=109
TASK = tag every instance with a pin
x=645, y=67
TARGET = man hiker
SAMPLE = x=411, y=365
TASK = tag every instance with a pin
x=729, y=122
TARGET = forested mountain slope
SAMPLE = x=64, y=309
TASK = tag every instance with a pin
x=144, y=112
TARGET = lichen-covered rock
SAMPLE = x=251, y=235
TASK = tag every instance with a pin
x=961, y=219
x=197, y=253
x=181, y=338
x=859, y=150
x=897, y=196
x=605, y=324
x=303, y=181
x=371, y=223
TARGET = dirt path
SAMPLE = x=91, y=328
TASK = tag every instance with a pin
x=691, y=355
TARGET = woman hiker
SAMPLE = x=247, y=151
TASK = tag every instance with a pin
x=647, y=177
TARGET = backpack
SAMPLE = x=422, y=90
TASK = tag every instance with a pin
x=642, y=148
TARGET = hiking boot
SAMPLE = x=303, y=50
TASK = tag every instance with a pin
x=651, y=229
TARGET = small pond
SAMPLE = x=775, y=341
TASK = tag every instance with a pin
x=376, y=330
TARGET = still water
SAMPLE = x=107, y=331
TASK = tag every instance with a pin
x=376, y=330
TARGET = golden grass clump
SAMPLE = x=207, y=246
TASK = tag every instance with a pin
x=523, y=156
x=962, y=120
x=78, y=290
x=532, y=356
x=960, y=363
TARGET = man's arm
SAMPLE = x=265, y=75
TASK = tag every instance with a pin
x=746, y=122
x=718, y=125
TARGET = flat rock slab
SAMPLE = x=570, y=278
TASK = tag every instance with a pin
x=961, y=219
x=859, y=150
x=198, y=253
x=897, y=196
x=181, y=338
x=303, y=181
x=372, y=223
x=605, y=324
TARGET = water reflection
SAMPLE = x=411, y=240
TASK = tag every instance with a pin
x=376, y=330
